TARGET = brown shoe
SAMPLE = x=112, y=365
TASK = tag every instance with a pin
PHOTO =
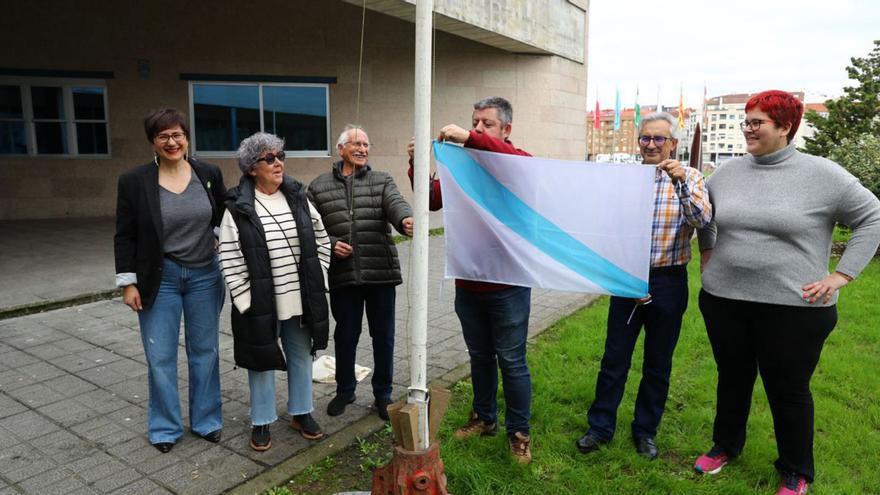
x=520, y=447
x=306, y=426
x=475, y=427
x=261, y=439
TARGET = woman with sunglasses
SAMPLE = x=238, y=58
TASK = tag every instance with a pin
x=275, y=254
x=768, y=300
x=166, y=264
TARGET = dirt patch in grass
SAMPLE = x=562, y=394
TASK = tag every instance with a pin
x=350, y=470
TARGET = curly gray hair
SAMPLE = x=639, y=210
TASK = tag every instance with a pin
x=250, y=149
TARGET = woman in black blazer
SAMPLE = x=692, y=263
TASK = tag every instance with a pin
x=166, y=264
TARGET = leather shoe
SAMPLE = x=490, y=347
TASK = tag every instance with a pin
x=163, y=447
x=589, y=443
x=213, y=437
x=381, y=406
x=646, y=447
x=338, y=404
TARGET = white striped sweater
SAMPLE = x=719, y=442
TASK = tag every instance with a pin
x=284, y=255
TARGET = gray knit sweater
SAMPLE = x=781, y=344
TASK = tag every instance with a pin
x=774, y=218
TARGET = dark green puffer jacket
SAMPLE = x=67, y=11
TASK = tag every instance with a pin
x=357, y=211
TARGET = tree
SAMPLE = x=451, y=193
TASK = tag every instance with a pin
x=854, y=114
x=861, y=156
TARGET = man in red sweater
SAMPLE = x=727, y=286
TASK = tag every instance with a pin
x=494, y=317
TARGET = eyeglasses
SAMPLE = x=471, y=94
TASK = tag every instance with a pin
x=753, y=124
x=658, y=140
x=271, y=157
x=359, y=144
x=178, y=137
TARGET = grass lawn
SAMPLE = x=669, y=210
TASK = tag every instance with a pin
x=564, y=362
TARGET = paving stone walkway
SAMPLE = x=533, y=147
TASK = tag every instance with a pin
x=73, y=385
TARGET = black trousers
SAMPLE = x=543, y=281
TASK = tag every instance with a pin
x=783, y=344
x=662, y=321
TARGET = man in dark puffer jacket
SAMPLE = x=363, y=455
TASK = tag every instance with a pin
x=357, y=204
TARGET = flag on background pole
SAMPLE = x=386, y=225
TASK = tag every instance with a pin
x=616, y=109
x=705, y=118
x=539, y=222
x=681, y=109
x=637, y=112
x=696, y=156
x=597, y=123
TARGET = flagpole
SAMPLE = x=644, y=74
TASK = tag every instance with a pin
x=418, y=311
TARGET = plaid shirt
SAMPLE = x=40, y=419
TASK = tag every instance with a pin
x=678, y=210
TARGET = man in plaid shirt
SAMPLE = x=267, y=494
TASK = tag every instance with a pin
x=681, y=204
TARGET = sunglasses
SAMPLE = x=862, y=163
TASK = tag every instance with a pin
x=271, y=157
x=658, y=140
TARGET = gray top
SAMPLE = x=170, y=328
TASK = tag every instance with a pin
x=774, y=219
x=186, y=225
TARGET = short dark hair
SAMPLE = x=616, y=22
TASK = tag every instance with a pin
x=160, y=119
x=502, y=106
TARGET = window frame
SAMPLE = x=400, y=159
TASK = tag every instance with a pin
x=67, y=84
x=260, y=110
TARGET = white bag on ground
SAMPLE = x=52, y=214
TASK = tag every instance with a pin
x=324, y=370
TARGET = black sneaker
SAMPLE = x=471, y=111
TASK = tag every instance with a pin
x=260, y=438
x=338, y=404
x=306, y=425
x=381, y=406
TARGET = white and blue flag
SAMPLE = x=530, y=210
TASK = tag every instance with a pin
x=539, y=222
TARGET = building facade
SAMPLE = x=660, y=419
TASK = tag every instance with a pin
x=72, y=102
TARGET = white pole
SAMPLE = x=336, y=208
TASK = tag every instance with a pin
x=418, y=280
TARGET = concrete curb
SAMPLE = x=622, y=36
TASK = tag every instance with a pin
x=39, y=307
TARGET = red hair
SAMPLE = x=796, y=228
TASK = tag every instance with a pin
x=780, y=106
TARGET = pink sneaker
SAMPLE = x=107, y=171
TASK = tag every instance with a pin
x=793, y=484
x=711, y=462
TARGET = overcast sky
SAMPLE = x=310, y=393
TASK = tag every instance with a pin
x=741, y=46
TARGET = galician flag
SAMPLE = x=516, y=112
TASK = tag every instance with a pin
x=539, y=222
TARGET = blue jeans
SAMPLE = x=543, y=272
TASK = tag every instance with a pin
x=495, y=327
x=662, y=321
x=198, y=294
x=347, y=305
x=297, y=345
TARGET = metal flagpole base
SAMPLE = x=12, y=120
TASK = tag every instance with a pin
x=411, y=472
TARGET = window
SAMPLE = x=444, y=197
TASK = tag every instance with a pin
x=50, y=118
x=225, y=113
x=722, y=126
x=723, y=116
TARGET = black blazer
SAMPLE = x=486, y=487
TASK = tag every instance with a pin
x=138, y=240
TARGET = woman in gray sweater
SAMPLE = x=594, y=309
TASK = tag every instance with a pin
x=768, y=300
